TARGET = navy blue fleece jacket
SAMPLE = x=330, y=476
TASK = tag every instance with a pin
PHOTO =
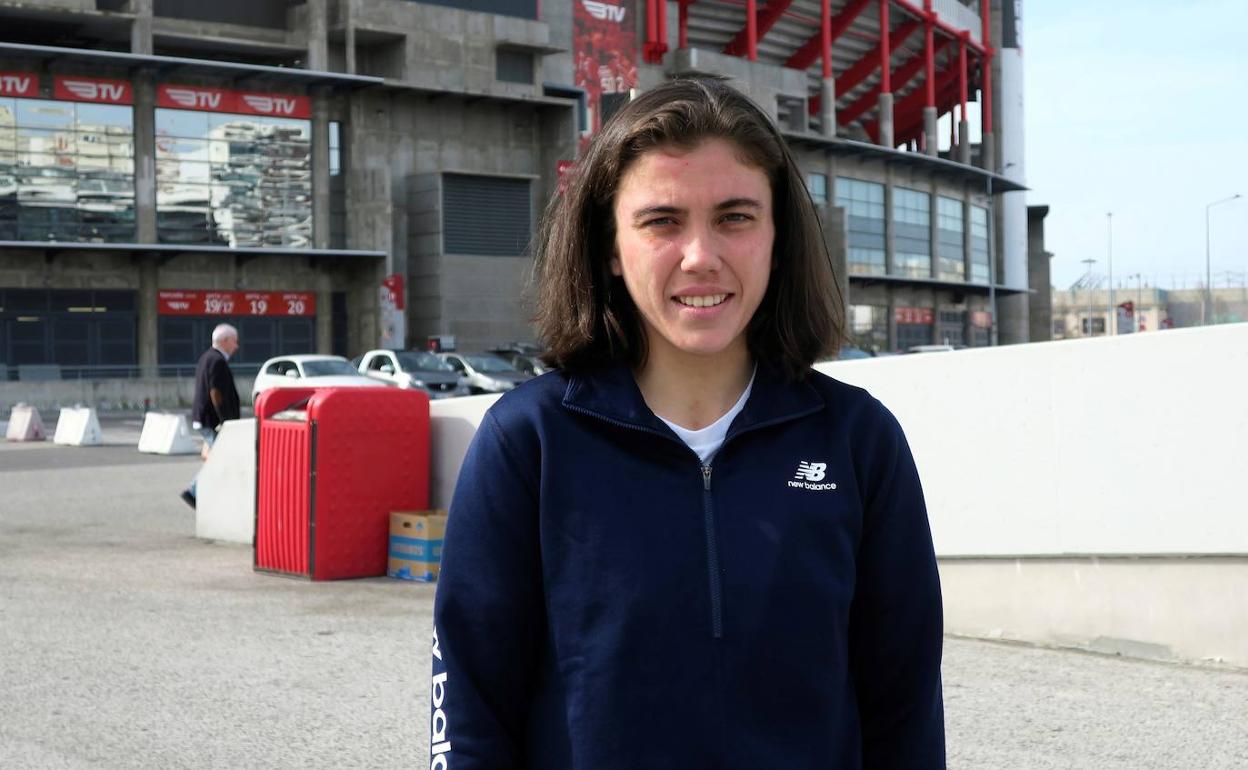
x=607, y=602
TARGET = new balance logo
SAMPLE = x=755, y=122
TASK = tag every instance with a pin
x=807, y=476
x=604, y=10
x=810, y=471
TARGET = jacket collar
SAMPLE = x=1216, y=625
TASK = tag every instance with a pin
x=610, y=392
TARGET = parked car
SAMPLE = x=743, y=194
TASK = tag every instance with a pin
x=931, y=349
x=485, y=372
x=413, y=369
x=308, y=371
x=525, y=358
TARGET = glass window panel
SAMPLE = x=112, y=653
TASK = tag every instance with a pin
x=44, y=113
x=182, y=123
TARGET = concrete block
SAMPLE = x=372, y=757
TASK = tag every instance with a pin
x=167, y=434
x=226, y=486
x=78, y=426
x=452, y=424
x=25, y=424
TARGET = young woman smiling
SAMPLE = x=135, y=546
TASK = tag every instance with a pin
x=684, y=548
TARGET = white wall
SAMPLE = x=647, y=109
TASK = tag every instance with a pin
x=1120, y=445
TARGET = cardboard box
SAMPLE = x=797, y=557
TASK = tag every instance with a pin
x=416, y=544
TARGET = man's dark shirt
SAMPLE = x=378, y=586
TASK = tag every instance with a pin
x=213, y=371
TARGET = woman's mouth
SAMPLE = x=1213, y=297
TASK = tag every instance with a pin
x=702, y=300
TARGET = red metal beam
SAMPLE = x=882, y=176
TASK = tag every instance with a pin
x=910, y=109
x=929, y=34
x=652, y=31
x=870, y=60
x=825, y=37
x=810, y=50
x=905, y=73
x=661, y=47
x=985, y=64
x=684, y=23
x=766, y=19
x=917, y=12
x=751, y=30
x=962, y=73
x=914, y=127
x=886, y=51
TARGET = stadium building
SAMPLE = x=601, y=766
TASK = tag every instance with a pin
x=335, y=175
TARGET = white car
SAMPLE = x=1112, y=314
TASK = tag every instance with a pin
x=309, y=371
x=485, y=372
x=414, y=369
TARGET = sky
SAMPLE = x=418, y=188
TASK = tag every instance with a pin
x=1139, y=109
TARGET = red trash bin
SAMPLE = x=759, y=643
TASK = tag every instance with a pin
x=331, y=464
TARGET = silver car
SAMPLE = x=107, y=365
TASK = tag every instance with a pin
x=484, y=372
x=413, y=369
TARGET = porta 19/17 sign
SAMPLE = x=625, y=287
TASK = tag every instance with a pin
x=236, y=303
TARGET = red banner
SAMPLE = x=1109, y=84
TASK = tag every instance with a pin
x=605, y=54
x=239, y=102
x=19, y=84
x=236, y=303
x=99, y=90
x=914, y=315
x=277, y=105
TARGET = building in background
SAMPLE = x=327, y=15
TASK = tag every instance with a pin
x=1142, y=308
x=329, y=175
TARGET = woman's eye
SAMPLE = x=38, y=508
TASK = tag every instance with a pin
x=737, y=217
x=660, y=222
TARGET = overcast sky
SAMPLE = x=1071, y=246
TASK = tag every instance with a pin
x=1140, y=109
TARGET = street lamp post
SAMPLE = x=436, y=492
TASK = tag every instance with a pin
x=1088, y=283
x=1208, y=269
x=1111, y=318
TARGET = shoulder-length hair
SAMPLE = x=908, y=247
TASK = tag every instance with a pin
x=585, y=315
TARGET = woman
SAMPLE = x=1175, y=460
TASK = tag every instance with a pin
x=685, y=549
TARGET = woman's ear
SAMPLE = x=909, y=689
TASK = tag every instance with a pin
x=616, y=270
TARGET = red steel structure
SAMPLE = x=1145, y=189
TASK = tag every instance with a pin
x=868, y=48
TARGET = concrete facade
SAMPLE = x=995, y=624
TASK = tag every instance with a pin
x=430, y=97
x=1155, y=308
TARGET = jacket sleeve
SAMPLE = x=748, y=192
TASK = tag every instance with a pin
x=896, y=623
x=488, y=612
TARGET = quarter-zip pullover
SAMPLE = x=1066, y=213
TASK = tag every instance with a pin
x=608, y=601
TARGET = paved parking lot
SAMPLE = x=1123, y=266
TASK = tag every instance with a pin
x=126, y=642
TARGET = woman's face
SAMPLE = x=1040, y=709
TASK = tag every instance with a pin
x=694, y=233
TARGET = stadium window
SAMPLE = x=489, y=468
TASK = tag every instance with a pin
x=950, y=226
x=869, y=326
x=912, y=233
x=817, y=184
x=863, y=203
x=233, y=180
x=980, y=252
x=66, y=171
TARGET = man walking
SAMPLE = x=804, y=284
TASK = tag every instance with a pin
x=216, y=398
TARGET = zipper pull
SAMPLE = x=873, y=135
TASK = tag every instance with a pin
x=706, y=477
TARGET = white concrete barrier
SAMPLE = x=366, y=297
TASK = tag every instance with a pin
x=167, y=434
x=226, y=486
x=78, y=426
x=452, y=424
x=1085, y=493
x=25, y=424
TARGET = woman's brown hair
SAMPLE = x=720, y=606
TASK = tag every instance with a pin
x=585, y=315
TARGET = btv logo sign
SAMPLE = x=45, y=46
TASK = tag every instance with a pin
x=604, y=11
x=270, y=105
x=192, y=98
x=17, y=84
x=92, y=90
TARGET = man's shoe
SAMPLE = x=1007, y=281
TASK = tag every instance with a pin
x=188, y=498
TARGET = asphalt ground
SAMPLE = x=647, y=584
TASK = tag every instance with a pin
x=125, y=642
